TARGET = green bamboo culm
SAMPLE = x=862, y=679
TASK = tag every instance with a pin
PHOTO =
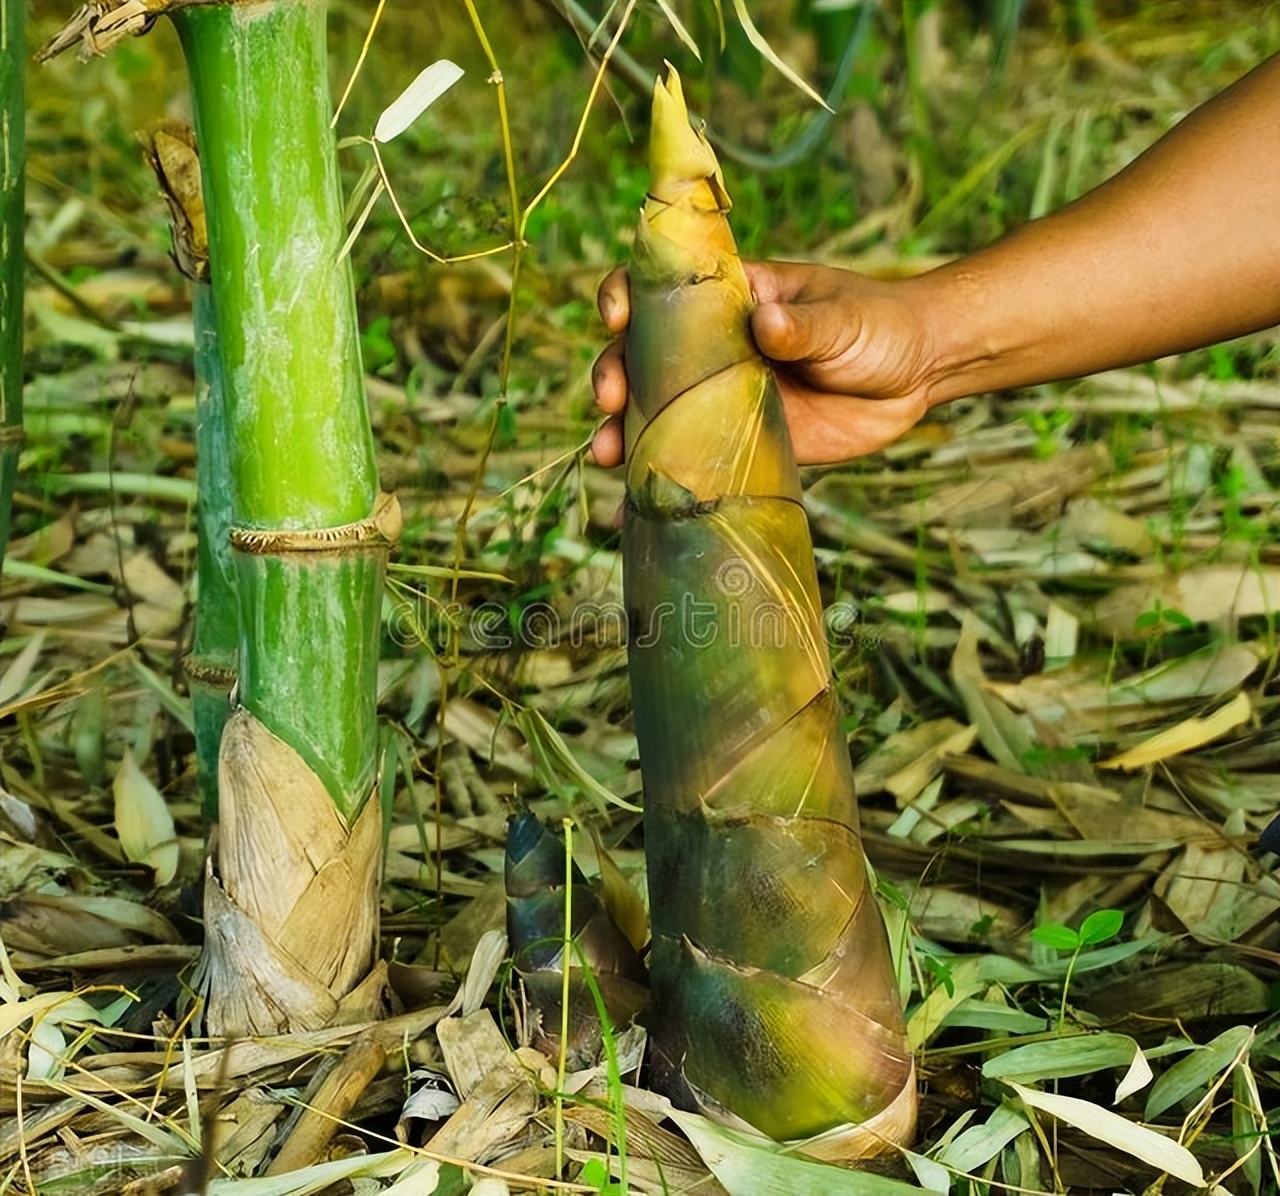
x=291, y=890
x=13, y=61
x=210, y=668
x=774, y=997
x=291, y=912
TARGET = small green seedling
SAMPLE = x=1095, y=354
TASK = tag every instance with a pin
x=1098, y=927
x=1047, y=427
x=1161, y=617
x=596, y=1176
x=940, y=972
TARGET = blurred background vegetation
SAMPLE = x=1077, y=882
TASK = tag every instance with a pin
x=959, y=121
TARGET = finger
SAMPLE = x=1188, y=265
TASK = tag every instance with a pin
x=606, y=445
x=795, y=331
x=779, y=282
x=614, y=300
x=609, y=379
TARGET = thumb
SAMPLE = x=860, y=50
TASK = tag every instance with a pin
x=790, y=331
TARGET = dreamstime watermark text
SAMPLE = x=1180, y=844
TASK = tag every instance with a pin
x=740, y=610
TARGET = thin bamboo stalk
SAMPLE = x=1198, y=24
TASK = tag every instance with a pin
x=291, y=894
x=775, y=1001
x=211, y=667
x=291, y=915
x=13, y=60
x=302, y=449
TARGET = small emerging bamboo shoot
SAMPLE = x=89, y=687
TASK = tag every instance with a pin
x=536, y=897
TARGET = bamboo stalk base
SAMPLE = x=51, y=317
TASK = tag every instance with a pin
x=277, y=957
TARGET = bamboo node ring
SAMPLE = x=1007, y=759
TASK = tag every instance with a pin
x=216, y=675
x=380, y=529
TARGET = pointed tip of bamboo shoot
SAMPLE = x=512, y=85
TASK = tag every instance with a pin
x=679, y=154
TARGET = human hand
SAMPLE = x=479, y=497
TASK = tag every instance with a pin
x=853, y=358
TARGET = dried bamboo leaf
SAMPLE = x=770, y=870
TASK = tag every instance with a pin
x=900, y=755
x=1004, y=734
x=1142, y=1143
x=1217, y=892
x=1185, y=737
x=498, y=1093
x=1219, y=593
x=143, y=822
x=100, y=24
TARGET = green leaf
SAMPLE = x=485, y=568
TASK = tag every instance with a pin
x=595, y=1174
x=933, y=1176
x=681, y=32
x=1197, y=1070
x=749, y=1165
x=926, y=1019
x=1077, y=1055
x=1101, y=925
x=1104, y=957
x=557, y=762
x=979, y=1144
x=935, y=967
x=377, y=349
x=988, y=1015
x=1057, y=936
x=757, y=39
x=1248, y=1124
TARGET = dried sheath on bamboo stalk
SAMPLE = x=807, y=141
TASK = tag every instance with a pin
x=774, y=996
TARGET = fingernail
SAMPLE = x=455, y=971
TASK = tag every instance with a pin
x=608, y=305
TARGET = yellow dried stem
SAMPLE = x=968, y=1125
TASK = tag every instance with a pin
x=99, y=25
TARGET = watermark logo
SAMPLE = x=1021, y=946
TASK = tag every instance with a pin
x=738, y=612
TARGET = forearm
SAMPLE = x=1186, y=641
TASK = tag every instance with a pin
x=1180, y=249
